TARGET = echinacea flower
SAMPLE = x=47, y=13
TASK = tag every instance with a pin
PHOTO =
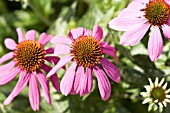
x=156, y=95
x=141, y=16
x=85, y=49
x=28, y=59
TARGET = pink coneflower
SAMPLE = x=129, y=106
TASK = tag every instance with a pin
x=141, y=16
x=28, y=59
x=85, y=50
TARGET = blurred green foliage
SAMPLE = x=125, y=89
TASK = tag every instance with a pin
x=57, y=17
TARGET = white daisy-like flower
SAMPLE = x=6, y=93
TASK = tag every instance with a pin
x=156, y=94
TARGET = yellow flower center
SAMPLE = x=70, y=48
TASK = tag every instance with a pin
x=157, y=12
x=29, y=55
x=158, y=93
x=86, y=51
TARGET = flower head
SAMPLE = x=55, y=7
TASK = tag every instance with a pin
x=28, y=59
x=156, y=95
x=141, y=16
x=85, y=49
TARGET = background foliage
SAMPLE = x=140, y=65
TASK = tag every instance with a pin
x=57, y=17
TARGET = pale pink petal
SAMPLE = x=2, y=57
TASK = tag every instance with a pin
x=31, y=35
x=50, y=50
x=82, y=82
x=6, y=57
x=6, y=68
x=10, y=43
x=107, y=49
x=103, y=83
x=68, y=79
x=44, y=38
x=166, y=31
x=34, y=93
x=52, y=59
x=20, y=35
x=97, y=32
x=133, y=36
x=87, y=32
x=86, y=82
x=76, y=33
x=110, y=69
x=22, y=82
x=77, y=79
x=7, y=77
x=138, y=4
x=45, y=85
x=125, y=24
x=62, y=62
x=54, y=78
x=61, y=49
x=90, y=79
x=61, y=40
x=155, y=43
x=168, y=2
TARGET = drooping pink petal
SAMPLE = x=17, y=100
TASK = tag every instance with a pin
x=97, y=32
x=54, y=78
x=110, y=69
x=166, y=31
x=62, y=62
x=107, y=46
x=103, y=83
x=125, y=24
x=10, y=43
x=107, y=49
x=52, y=59
x=22, y=82
x=68, y=79
x=76, y=33
x=134, y=35
x=155, y=44
x=34, y=93
x=6, y=68
x=82, y=82
x=7, y=77
x=61, y=49
x=55, y=82
x=61, y=40
x=86, y=82
x=44, y=38
x=77, y=79
x=45, y=85
x=90, y=79
x=20, y=35
x=50, y=50
x=6, y=57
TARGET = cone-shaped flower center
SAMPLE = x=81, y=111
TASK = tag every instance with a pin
x=158, y=93
x=29, y=55
x=86, y=51
x=157, y=12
